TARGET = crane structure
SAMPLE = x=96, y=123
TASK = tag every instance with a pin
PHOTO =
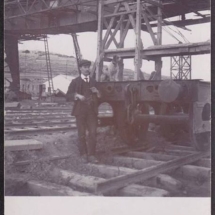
x=28, y=19
x=48, y=66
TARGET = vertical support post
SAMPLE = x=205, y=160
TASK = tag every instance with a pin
x=158, y=61
x=12, y=59
x=77, y=50
x=138, y=59
x=99, y=63
x=180, y=67
x=121, y=65
x=190, y=66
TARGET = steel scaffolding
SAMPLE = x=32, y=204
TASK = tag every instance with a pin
x=180, y=67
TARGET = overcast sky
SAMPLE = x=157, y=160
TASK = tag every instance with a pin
x=63, y=44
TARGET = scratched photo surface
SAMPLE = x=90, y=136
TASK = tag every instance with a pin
x=107, y=98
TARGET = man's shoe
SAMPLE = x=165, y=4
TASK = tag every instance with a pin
x=84, y=158
x=92, y=159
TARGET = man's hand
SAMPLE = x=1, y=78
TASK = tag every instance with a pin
x=79, y=96
x=94, y=90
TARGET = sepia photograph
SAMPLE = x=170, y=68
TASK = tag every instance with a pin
x=107, y=98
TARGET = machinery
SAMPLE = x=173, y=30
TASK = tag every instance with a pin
x=179, y=104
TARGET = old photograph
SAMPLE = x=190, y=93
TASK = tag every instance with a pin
x=107, y=98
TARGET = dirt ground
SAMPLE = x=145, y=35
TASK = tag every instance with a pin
x=57, y=144
x=66, y=143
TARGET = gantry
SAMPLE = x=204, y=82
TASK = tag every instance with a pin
x=32, y=19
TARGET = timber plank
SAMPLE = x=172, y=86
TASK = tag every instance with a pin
x=165, y=182
x=43, y=188
x=88, y=183
x=19, y=145
x=124, y=180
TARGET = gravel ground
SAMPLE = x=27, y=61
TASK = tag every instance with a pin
x=58, y=144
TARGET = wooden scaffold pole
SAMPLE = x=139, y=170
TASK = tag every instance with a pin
x=99, y=62
x=158, y=61
x=138, y=59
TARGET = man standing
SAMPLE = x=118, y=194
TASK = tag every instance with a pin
x=83, y=91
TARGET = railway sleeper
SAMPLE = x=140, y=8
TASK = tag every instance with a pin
x=162, y=181
x=180, y=147
x=200, y=173
x=22, y=186
x=87, y=183
x=43, y=188
x=164, y=157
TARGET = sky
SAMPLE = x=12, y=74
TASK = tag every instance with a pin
x=63, y=44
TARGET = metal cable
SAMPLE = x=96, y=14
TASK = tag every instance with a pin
x=177, y=30
x=152, y=19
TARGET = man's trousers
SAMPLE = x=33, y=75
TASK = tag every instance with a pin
x=87, y=122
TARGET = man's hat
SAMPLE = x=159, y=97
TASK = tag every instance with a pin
x=84, y=63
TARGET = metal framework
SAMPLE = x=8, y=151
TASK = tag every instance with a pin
x=58, y=16
x=48, y=65
x=23, y=8
x=124, y=16
x=31, y=19
x=180, y=67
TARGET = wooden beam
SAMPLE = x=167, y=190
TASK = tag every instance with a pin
x=159, y=27
x=158, y=61
x=45, y=159
x=154, y=39
x=114, y=171
x=99, y=63
x=163, y=51
x=110, y=25
x=131, y=18
x=138, y=59
x=120, y=13
x=87, y=183
x=115, y=31
x=111, y=34
x=120, y=64
x=43, y=188
x=199, y=14
x=20, y=145
x=123, y=35
x=106, y=2
x=121, y=181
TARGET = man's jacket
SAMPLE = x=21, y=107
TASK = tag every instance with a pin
x=76, y=87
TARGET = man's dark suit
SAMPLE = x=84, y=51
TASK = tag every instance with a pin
x=85, y=112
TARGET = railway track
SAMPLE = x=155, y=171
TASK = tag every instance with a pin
x=33, y=121
x=127, y=172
